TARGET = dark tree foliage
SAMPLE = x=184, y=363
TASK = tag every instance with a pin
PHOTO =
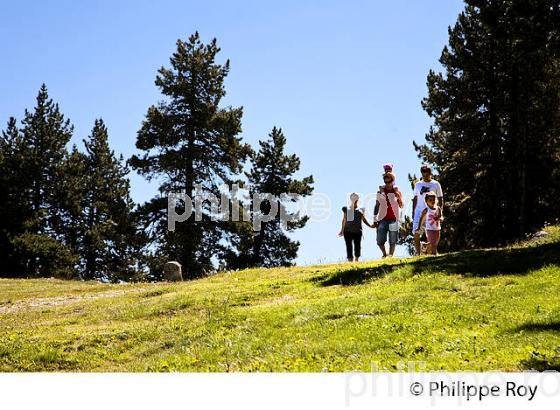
x=272, y=172
x=65, y=214
x=110, y=243
x=189, y=140
x=33, y=157
x=15, y=205
x=495, y=141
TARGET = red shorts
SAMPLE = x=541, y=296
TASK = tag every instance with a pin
x=433, y=237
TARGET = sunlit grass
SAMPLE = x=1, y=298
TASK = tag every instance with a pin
x=477, y=310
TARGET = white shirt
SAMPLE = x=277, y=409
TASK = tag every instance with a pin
x=432, y=219
x=420, y=190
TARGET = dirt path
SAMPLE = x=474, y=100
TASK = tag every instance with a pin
x=39, y=303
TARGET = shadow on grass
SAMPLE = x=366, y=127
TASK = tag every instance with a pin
x=355, y=275
x=539, y=327
x=489, y=262
x=538, y=361
x=541, y=363
x=479, y=262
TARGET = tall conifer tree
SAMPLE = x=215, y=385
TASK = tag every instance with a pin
x=188, y=139
x=110, y=241
x=495, y=140
x=42, y=150
x=272, y=172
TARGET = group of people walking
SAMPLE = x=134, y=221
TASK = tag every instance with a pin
x=427, y=215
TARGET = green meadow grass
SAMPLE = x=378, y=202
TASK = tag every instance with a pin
x=476, y=310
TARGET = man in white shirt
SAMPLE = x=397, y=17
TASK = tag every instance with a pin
x=425, y=185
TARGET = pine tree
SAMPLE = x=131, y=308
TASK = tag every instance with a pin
x=70, y=190
x=110, y=241
x=272, y=172
x=496, y=134
x=188, y=140
x=41, y=150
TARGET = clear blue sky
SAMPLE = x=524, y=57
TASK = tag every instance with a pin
x=344, y=79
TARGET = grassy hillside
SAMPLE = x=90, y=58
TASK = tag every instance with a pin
x=476, y=310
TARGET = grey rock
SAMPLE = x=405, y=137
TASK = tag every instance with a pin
x=172, y=272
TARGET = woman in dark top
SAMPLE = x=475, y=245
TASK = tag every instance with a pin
x=351, y=228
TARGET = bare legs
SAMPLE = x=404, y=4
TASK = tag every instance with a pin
x=383, y=251
x=433, y=241
x=391, y=250
x=417, y=243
